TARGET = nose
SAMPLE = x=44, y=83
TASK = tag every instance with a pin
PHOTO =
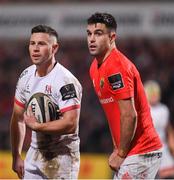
x=92, y=38
x=36, y=47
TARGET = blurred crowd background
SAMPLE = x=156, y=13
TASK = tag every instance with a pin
x=154, y=58
x=145, y=36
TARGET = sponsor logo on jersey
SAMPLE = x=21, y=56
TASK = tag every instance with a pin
x=68, y=92
x=106, y=100
x=116, y=81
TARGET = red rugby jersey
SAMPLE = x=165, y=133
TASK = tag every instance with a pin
x=117, y=78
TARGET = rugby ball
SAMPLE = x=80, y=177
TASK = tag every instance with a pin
x=43, y=108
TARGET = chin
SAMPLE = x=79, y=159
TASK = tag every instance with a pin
x=36, y=63
x=93, y=53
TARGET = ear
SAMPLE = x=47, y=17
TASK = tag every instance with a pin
x=112, y=37
x=55, y=48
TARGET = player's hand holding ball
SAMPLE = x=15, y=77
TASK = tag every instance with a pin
x=40, y=109
x=30, y=119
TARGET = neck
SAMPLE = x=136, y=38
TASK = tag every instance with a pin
x=44, y=69
x=101, y=58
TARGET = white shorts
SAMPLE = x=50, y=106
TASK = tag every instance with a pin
x=61, y=166
x=144, y=166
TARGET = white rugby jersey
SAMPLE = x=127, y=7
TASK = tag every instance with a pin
x=63, y=89
x=160, y=116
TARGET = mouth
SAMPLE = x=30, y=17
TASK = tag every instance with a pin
x=35, y=55
x=92, y=47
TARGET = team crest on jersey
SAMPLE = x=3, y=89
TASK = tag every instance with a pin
x=102, y=82
x=116, y=81
x=48, y=89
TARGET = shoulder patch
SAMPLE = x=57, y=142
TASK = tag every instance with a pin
x=116, y=81
x=68, y=92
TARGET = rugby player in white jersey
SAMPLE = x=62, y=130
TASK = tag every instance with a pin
x=54, y=148
x=160, y=115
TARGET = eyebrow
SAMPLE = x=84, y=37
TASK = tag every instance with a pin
x=96, y=30
x=37, y=41
x=99, y=30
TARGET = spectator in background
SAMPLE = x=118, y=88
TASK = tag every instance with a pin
x=160, y=115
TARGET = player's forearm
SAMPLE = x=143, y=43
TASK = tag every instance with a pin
x=67, y=124
x=127, y=131
x=60, y=127
x=17, y=137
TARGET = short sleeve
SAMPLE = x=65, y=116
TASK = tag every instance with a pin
x=20, y=90
x=69, y=95
x=121, y=81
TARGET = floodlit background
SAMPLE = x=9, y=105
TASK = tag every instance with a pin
x=145, y=34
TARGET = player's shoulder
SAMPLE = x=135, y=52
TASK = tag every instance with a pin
x=27, y=72
x=119, y=65
x=125, y=63
x=117, y=61
x=163, y=107
x=25, y=76
x=61, y=68
x=117, y=57
x=65, y=75
x=63, y=72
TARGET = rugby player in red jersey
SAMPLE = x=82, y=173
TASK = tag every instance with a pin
x=117, y=83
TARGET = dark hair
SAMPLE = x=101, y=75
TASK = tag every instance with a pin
x=103, y=18
x=44, y=29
